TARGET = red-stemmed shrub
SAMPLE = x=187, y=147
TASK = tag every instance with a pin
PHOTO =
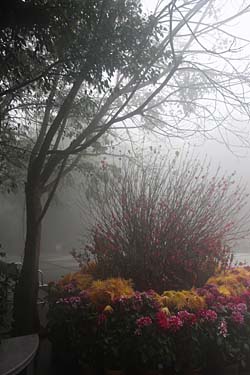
x=167, y=223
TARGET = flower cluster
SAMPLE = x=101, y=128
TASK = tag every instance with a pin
x=103, y=292
x=187, y=318
x=185, y=299
x=115, y=313
x=144, y=321
x=208, y=315
x=232, y=282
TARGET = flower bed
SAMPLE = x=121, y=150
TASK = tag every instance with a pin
x=108, y=323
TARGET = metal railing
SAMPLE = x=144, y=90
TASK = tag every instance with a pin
x=40, y=275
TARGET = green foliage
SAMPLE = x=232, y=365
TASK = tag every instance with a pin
x=91, y=36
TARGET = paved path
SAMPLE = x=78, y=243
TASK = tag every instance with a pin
x=57, y=265
x=53, y=267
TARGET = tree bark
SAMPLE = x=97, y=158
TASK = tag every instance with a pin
x=26, y=318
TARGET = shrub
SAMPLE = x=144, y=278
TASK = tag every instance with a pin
x=8, y=277
x=166, y=224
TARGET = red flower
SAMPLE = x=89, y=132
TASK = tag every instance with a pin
x=162, y=320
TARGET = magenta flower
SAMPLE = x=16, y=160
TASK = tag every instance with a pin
x=242, y=308
x=144, y=321
x=70, y=287
x=74, y=300
x=186, y=317
x=162, y=320
x=172, y=323
x=237, y=317
x=208, y=315
x=175, y=323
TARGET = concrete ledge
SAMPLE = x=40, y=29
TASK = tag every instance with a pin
x=17, y=354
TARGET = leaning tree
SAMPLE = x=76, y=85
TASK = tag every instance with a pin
x=119, y=69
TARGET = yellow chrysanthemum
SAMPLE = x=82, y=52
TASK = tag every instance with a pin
x=224, y=290
x=231, y=282
x=185, y=299
x=102, y=292
x=108, y=309
x=166, y=311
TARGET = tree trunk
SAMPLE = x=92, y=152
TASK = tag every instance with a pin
x=26, y=318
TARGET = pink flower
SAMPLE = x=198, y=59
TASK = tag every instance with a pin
x=222, y=329
x=242, y=308
x=186, y=317
x=175, y=323
x=70, y=286
x=208, y=315
x=144, y=321
x=172, y=323
x=74, y=300
x=237, y=317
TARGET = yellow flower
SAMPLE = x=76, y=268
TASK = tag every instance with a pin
x=231, y=282
x=166, y=311
x=179, y=300
x=164, y=301
x=102, y=292
x=108, y=309
x=224, y=290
